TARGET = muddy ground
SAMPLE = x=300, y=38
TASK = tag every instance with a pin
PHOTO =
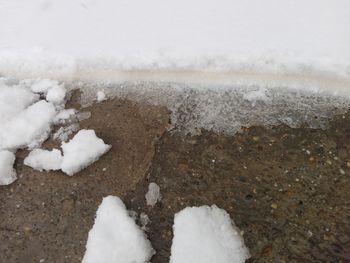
x=286, y=189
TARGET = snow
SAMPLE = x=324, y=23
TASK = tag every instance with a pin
x=64, y=115
x=14, y=99
x=101, y=96
x=7, y=173
x=43, y=85
x=153, y=195
x=206, y=234
x=28, y=128
x=56, y=94
x=40, y=159
x=81, y=151
x=115, y=237
x=63, y=38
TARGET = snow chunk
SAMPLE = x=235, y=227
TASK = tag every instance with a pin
x=101, y=96
x=81, y=151
x=40, y=159
x=7, y=173
x=13, y=100
x=153, y=195
x=206, y=234
x=56, y=94
x=64, y=115
x=28, y=128
x=43, y=85
x=115, y=237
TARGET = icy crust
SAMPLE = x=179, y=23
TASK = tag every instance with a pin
x=115, y=237
x=206, y=235
x=153, y=195
x=7, y=173
x=227, y=108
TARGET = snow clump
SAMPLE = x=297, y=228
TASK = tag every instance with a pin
x=115, y=237
x=7, y=173
x=81, y=151
x=205, y=235
x=40, y=159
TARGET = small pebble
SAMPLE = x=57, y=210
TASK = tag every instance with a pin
x=274, y=205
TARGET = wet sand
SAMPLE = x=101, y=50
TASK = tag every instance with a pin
x=286, y=189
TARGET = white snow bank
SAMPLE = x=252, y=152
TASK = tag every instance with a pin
x=81, y=151
x=63, y=38
x=115, y=237
x=153, y=195
x=29, y=127
x=40, y=159
x=206, y=235
x=7, y=173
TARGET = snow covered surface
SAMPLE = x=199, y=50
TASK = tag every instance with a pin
x=206, y=235
x=40, y=159
x=115, y=237
x=81, y=151
x=7, y=173
x=153, y=195
x=14, y=99
x=124, y=40
x=29, y=127
x=56, y=94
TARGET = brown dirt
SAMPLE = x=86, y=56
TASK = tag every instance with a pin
x=286, y=189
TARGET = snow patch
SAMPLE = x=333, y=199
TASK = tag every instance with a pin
x=56, y=95
x=101, y=96
x=153, y=195
x=42, y=85
x=7, y=173
x=205, y=235
x=28, y=128
x=115, y=237
x=14, y=99
x=64, y=116
x=81, y=151
x=40, y=159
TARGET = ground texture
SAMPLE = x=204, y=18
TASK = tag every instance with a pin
x=286, y=189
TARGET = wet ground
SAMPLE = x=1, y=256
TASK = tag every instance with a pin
x=286, y=189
